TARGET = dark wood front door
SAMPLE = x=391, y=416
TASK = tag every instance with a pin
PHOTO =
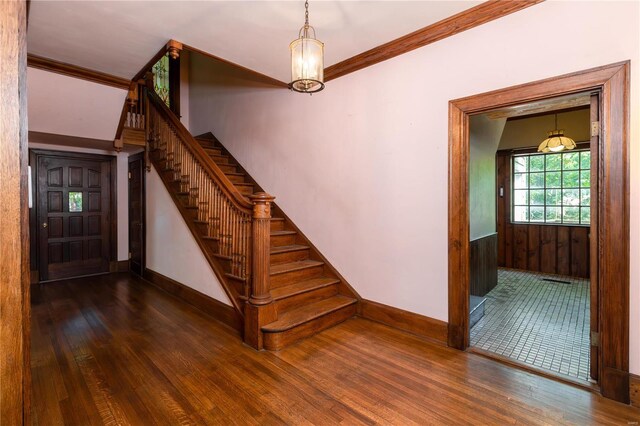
x=73, y=199
x=136, y=213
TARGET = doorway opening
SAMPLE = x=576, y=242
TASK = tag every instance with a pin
x=609, y=222
x=530, y=216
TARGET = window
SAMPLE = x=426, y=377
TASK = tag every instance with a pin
x=161, y=78
x=75, y=202
x=551, y=188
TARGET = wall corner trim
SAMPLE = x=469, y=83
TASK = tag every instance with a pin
x=224, y=313
x=411, y=322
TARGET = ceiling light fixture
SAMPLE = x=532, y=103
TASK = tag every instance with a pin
x=307, y=59
x=556, y=141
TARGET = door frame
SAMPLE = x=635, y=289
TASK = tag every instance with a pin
x=34, y=154
x=612, y=256
x=139, y=157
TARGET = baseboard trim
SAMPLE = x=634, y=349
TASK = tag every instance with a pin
x=119, y=266
x=634, y=390
x=404, y=320
x=218, y=310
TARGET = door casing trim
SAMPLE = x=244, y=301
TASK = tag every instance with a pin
x=613, y=209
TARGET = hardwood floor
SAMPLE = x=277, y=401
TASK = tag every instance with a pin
x=115, y=350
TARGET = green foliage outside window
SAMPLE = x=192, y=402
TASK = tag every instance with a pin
x=552, y=188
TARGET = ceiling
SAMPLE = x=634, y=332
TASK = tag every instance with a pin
x=119, y=37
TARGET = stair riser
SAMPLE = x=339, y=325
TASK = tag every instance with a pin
x=213, y=151
x=290, y=256
x=305, y=298
x=192, y=214
x=227, y=168
x=225, y=263
x=282, y=240
x=236, y=178
x=277, y=341
x=287, y=278
x=238, y=285
x=212, y=245
x=245, y=190
x=277, y=225
x=220, y=159
x=203, y=228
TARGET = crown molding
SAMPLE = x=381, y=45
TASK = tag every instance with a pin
x=75, y=71
x=467, y=19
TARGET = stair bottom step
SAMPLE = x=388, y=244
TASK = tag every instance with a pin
x=306, y=321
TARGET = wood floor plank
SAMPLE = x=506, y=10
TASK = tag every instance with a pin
x=115, y=350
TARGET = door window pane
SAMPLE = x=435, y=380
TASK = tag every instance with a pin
x=75, y=202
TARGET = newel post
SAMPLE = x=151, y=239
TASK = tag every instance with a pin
x=260, y=309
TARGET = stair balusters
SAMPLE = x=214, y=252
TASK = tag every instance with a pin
x=236, y=231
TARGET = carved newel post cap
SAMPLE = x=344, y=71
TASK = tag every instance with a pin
x=261, y=197
x=261, y=205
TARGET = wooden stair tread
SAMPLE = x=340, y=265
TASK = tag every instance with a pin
x=283, y=268
x=302, y=287
x=288, y=320
x=286, y=249
x=273, y=233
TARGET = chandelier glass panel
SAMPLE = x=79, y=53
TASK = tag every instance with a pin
x=307, y=59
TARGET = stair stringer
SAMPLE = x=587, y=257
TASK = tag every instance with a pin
x=344, y=287
x=237, y=300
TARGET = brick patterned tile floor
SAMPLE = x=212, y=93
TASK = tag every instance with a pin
x=542, y=323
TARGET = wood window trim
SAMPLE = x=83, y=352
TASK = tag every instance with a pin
x=612, y=81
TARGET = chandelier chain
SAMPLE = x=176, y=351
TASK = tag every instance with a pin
x=306, y=13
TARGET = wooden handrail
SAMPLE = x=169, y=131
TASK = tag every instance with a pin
x=199, y=153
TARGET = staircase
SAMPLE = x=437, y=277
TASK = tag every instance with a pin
x=304, y=294
x=307, y=293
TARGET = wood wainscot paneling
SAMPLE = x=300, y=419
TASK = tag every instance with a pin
x=553, y=249
x=218, y=310
x=404, y=320
x=483, y=265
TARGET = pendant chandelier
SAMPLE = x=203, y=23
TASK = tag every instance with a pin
x=307, y=59
x=556, y=141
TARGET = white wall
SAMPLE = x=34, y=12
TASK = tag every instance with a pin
x=361, y=167
x=64, y=105
x=171, y=248
x=484, y=137
x=122, y=188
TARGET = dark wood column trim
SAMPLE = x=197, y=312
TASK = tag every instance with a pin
x=14, y=218
x=470, y=18
x=612, y=81
x=77, y=72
